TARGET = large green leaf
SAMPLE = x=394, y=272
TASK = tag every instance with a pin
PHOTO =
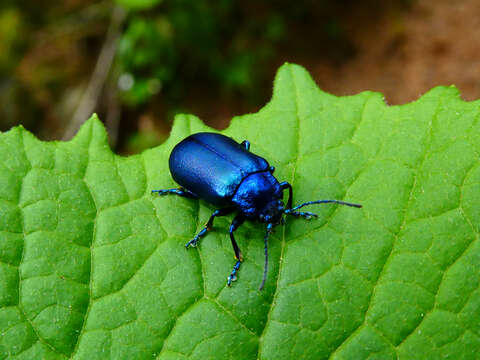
x=92, y=266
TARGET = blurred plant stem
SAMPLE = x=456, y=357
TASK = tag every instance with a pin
x=114, y=110
x=89, y=100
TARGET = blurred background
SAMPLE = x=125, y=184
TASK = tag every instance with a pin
x=137, y=63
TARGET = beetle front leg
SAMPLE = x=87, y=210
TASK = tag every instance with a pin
x=306, y=214
x=237, y=221
x=208, y=225
x=309, y=215
x=285, y=185
x=179, y=191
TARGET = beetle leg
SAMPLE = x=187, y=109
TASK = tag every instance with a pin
x=208, y=225
x=246, y=144
x=179, y=191
x=237, y=221
x=306, y=214
x=285, y=185
x=292, y=210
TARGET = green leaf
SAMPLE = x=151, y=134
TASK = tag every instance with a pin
x=92, y=266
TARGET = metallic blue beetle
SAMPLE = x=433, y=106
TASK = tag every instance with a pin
x=217, y=169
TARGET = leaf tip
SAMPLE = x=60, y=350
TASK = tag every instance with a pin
x=185, y=124
x=92, y=131
x=450, y=91
x=290, y=68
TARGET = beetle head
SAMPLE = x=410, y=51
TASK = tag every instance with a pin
x=272, y=212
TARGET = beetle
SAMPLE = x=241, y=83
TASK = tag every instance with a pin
x=224, y=173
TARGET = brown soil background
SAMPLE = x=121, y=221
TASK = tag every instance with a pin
x=435, y=42
x=400, y=51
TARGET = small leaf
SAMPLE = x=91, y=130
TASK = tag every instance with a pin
x=138, y=4
x=92, y=266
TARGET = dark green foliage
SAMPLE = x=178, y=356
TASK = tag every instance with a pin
x=181, y=44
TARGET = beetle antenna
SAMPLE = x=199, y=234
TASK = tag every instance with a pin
x=265, y=268
x=321, y=202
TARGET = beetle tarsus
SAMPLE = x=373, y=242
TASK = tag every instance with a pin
x=237, y=221
x=192, y=243
x=233, y=274
x=209, y=225
x=305, y=214
x=179, y=191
